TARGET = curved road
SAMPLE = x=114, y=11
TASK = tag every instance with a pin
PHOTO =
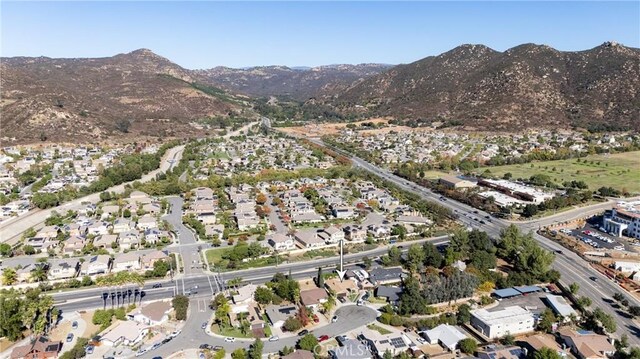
x=350, y=317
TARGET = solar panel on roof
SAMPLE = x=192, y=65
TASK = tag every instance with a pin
x=506, y=292
x=527, y=289
x=398, y=342
x=516, y=352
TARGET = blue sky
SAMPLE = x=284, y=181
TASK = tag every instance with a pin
x=237, y=34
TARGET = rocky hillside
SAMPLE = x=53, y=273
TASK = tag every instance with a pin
x=297, y=83
x=526, y=86
x=134, y=94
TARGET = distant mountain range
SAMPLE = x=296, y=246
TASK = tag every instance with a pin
x=472, y=85
x=299, y=83
x=526, y=86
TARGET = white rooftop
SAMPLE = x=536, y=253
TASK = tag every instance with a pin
x=508, y=315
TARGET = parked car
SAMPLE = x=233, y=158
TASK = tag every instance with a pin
x=89, y=349
x=69, y=337
x=229, y=339
x=217, y=348
x=141, y=352
x=205, y=346
x=157, y=285
x=175, y=333
x=322, y=338
x=334, y=319
x=274, y=338
x=74, y=325
x=303, y=333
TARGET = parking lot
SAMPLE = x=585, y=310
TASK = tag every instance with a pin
x=591, y=234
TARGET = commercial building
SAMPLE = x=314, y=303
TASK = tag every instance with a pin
x=454, y=182
x=512, y=320
x=624, y=220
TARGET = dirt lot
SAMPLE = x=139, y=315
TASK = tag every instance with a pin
x=91, y=328
x=318, y=130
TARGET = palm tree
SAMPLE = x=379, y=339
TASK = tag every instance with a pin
x=244, y=326
x=9, y=276
x=39, y=274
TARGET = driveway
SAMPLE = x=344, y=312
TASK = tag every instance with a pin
x=281, y=227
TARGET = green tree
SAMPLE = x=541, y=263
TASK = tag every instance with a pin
x=508, y=339
x=292, y=324
x=239, y=353
x=263, y=295
x=367, y=262
x=181, y=306
x=255, y=352
x=463, y=316
x=28, y=250
x=308, y=342
x=547, y=319
x=320, y=279
x=574, y=287
x=432, y=257
x=468, y=345
x=5, y=250
x=546, y=353
x=9, y=276
x=415, y=257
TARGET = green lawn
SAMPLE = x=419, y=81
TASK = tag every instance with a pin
x=379, y=329
x=214, y=258
x=230, y=332
x=620, y=170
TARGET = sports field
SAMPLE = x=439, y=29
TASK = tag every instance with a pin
x=620, y=170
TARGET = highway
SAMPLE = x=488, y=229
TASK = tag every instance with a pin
x=571, y=267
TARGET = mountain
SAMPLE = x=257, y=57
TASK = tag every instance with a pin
x=526, y=86
x=300, y=83
x=91, y=99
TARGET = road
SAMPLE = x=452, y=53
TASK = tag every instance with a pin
x=350, y=317
x=572, y=268
x=11, y=231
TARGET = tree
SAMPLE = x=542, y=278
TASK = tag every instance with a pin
x=286, y=351
x=5, y=250
x=28, y=250
x=415, y=257
x=546, y=353
x=292, y=324
x=123, y=126
x=468, y=345
x=367, y=262
x=180, y=305
x=39, y=273
x=530, y=210
x=222, y=313
x=432, y=257
x=239, y=353
x=255, y=352
x=547, y=319
x=9, y=276
x=463, y=316
x=574, y=287
x=387, y=355
x=634, y=310
x=483, y=260
x=508, y=339
x=263, y=295
x=102, y=317
x=320, y=279
x=583, y=302
x=308, y=342
x=261, y=199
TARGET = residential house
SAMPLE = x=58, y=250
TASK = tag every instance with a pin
x=111, y=210
x=63, y=268
x=277, y=314
x=299, y=354
x=123, y=225
x=98, y=228
x=154, y=235
x=74, y=244
x=105, y=241
x=380, y=276
x=415, y=220
x=147, y=260
x=126, y=262
x=313, y=297
x=48, y=232
x=341, y=288
x=95, y=265
x=146, y=222
x=587, y=345
x=128, y=240
x=379, y=343
x=245, y=294
x=332, y=234
x=152, y=208
x=308, y=238
x=502, y=352
x=536, y=342
x=343, y=211
x=39, y=348
x=127, y=333
x=281, y=242
x=355, y=233
x=379, y=230
x=446, y=335
x=154, y=313
x=391, y=294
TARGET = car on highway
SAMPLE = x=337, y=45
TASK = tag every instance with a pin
x=141, y=352
x=229, y=339
x=205, y=346
x=157, y=285
x=74, y=325
x=323, y=338
x=274, y=338
x=69, y=337
x=593, y=278
x=334, y=319
x=303, y=333
x=558, y=251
